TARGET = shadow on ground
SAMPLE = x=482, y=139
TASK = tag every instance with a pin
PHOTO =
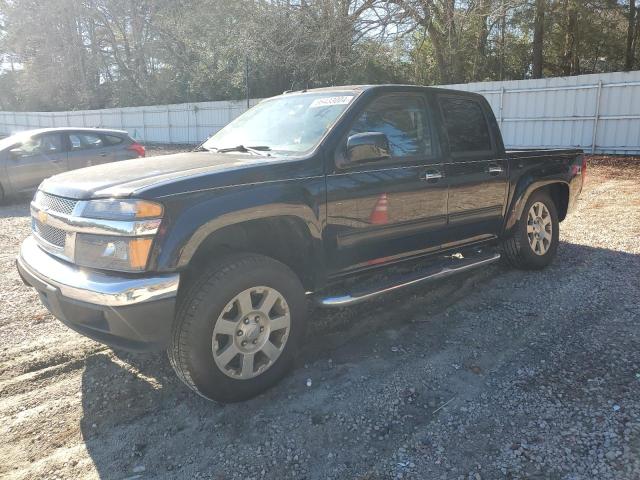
x=138, y=419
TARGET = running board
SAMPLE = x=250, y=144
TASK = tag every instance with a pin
x=407, y=280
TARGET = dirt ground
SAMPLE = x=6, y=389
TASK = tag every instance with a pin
x=499, y=374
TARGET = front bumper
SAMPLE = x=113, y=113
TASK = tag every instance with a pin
x=130, y=312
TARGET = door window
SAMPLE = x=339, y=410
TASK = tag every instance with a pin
x=403, y=120
x=466, y=125
x=42, y=145
x=84, y=141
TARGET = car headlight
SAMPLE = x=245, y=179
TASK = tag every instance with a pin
x=121, y=209
x=125, y=254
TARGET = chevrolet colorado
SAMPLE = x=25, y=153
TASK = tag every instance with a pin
x=214, y=254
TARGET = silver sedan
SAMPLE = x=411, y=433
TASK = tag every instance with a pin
x=28, y=157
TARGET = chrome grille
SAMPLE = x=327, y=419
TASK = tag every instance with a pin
x=52, y=235
x=55, y=204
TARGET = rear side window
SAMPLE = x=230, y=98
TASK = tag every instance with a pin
x=466, y=125
x=113, y=139
x=83, y=141
x=403, y=120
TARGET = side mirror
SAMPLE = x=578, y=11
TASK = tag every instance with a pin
x=367, y=147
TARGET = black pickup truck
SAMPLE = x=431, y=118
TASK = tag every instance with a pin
x=215, y=254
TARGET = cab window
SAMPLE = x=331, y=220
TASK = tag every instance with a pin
x=466, y=125
x=403, y=120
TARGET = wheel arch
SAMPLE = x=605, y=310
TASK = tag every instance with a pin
x=287, y=239
x=558, y=191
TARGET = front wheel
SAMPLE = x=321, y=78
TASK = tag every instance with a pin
x=238, y=327
x=535, y=242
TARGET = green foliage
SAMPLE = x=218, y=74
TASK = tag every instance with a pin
x=75, y=54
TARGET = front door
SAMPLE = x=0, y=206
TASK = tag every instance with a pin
x=35, y=159
x=476, y=173
x=382, y=211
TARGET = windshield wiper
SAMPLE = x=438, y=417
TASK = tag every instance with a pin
x=257, y=150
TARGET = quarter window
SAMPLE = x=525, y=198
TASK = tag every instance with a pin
x=466, y=125
x=113, y=140
x=403, y=120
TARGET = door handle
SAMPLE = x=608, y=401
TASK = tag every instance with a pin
x=431, y=176
x=495, y=170
x=103, y=154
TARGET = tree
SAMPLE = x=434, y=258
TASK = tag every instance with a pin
x=629, y=52
x=538, y=39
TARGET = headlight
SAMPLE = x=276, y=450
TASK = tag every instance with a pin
x=125, y=254
x=114, y=209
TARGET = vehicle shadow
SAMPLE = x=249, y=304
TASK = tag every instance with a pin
x=138, y=418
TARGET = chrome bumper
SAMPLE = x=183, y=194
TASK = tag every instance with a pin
x=94, y=287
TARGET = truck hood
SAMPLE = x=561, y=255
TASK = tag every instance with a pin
x=128, y=177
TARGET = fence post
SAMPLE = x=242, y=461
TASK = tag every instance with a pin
x=501, y=104
x=195, y=123
x=169, y=123
x=144, y=126
x=121, y=119
x=596, y=118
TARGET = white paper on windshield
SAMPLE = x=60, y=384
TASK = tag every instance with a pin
x=329, y=101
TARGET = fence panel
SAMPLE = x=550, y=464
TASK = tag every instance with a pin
x=599, y=113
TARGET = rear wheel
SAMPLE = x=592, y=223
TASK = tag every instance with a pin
x=238, y=327
x=535, y=241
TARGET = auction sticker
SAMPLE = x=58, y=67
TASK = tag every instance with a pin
x=329, y=101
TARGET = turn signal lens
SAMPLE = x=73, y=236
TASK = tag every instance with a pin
x=146, y=209
x=116, y=209
x=139, y=252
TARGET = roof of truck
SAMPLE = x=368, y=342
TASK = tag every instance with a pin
x=388, y=86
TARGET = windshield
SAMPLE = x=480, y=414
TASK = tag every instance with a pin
x=14, y=139
x=290, y=124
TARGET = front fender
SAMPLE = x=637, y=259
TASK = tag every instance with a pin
x=192, y=218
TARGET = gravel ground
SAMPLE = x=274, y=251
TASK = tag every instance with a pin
x=501, y=374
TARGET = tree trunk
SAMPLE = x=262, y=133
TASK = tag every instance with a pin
x=480, y=60
x=629, y=52
x=571, y=61
x=538, y=39
x=503, y=28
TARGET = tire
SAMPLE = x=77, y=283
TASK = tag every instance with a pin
x=213, y=311
x=524, y=250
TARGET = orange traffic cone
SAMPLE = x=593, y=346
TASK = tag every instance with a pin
x=380, y=214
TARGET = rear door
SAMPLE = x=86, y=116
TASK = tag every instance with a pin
x=117, y=147
x=476, y=170
x=34, y=160
x=380, y=211
x=87, y=149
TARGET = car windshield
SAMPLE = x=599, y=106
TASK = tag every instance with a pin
x=14, y=139
x=288, y=125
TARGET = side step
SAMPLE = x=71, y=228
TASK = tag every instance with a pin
x=434, y=273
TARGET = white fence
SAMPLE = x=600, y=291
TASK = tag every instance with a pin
x=184, y=123
x=599, y=113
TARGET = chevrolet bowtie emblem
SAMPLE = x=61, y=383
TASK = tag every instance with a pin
x=42, y=216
